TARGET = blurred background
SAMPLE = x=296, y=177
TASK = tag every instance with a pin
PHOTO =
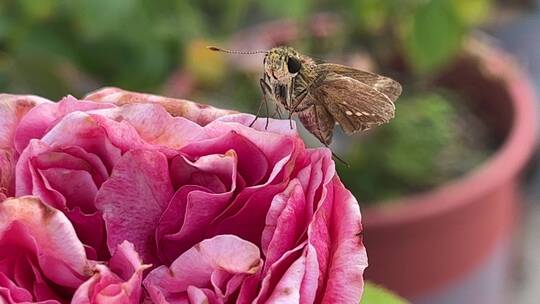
x=449, y=189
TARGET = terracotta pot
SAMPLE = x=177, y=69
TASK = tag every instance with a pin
x=453, y=244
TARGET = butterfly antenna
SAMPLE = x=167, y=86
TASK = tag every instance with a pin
x=218, y=49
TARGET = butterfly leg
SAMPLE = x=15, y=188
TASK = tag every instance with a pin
x=298, y=101
x=339, y=158
x=265, y=88
x=321, y=137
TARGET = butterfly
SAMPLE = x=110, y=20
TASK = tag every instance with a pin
x=325, y=94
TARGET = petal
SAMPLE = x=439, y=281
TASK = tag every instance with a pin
x=118, y=283
x=348, y=255
x=41, y=118
x=81, y=130
x=245, y=216
x=12, y=109
x=199, y=113
x=187, y=219
x=76, y=186
x=56, y=246
x=276, y=272
x=11, y=293
x=252, y=163
x=38, y=175
x=287, y=289
x=276, y=148
x=279, y=126
x=195, y=267
x=166, y=130
x=287, y=228
x=133, y=199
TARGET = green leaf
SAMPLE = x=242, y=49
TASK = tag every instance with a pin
x=472, y=12
x=374, y=294
x=290, y=8
x=372, y=14
x=433, y=35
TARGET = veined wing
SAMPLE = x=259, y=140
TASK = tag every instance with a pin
x=387, y=86
x=355, y=105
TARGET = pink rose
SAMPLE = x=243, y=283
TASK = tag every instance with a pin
x=224, y=212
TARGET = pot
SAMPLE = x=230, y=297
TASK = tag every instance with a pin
x=453, y=244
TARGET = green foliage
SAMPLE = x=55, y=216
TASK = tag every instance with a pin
x=411, y=153
x=473, y=12
x=50, y=47
x=428, y=32
x=374, y=294
x=433, y=35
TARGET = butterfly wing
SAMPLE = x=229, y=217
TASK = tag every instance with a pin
x=354, y=104
x=387, y=86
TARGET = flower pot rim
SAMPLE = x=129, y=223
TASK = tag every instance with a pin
x=500, y=167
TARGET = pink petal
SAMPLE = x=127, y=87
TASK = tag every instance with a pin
x=287, y=289
x=279, y=126
x=199, y=113
x=287, y=228
x=11, y=293
x=76, y=186
x=245, y=216
x=310, y=281
x=187, y=219
x=46, y=115
x=348, y=255
x=166, y=130
x=276, y=272
x=42, y=171
x=118, y=283
x=276, y=148
x=196, y=266
x=90, y=229
x=201, y=296
x=12, y=109
x=252, y=162
x=133, y=199
x=79, y=129
x=55, y=243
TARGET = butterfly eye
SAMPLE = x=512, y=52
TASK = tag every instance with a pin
x=293, y=65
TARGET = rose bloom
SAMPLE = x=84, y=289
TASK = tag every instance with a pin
x=125, y=197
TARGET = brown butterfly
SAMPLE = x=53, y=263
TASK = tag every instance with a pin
x=323, y=94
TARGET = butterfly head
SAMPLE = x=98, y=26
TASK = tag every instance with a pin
x=282, y=63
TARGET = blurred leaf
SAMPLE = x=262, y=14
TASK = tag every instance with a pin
x=40, y=9
x=208, y=67
x=372, y=14
x=422, y=128
x=472, y=12
x=433, y=35
x=287, y=8
x=374, y=294
x=99, y=18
